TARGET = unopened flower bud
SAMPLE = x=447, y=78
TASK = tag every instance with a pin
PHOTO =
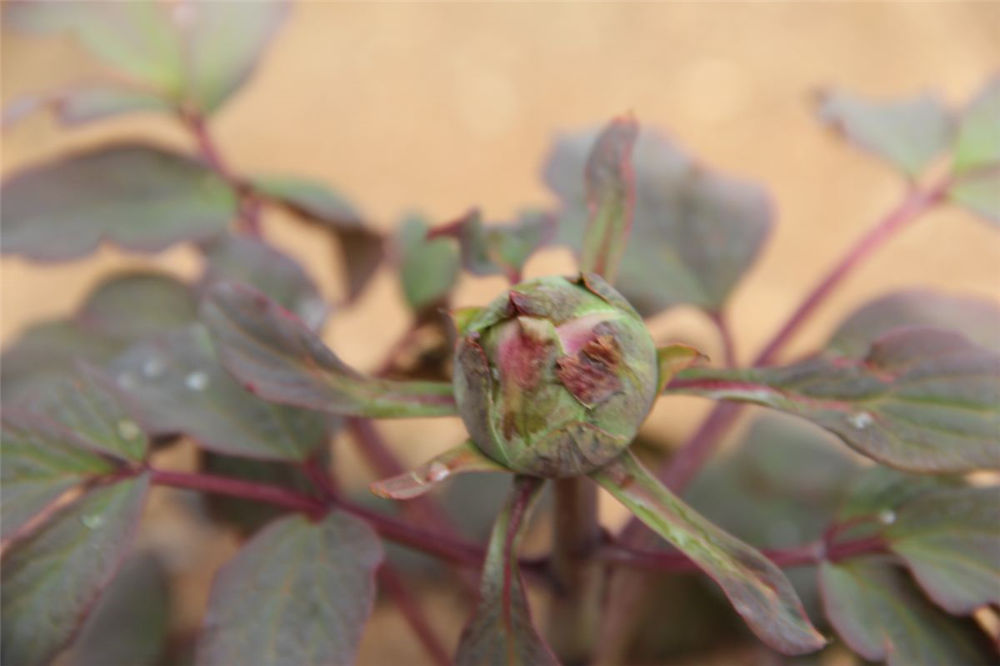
x=554, y=378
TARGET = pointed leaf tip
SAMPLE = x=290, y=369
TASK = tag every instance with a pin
x=756, y=588
x=461, y=459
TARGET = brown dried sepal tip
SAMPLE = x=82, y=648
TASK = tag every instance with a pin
x=592, y=375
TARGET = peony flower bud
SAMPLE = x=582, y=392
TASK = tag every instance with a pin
x=554, y=378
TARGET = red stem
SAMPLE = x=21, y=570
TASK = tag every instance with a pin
x=683, y=466
x=726, y=337
x=249, y=206
x=803, y=555
x=392, y=582
x=250, y=490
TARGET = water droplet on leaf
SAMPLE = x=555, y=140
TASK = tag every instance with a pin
x=196, y=381
x=92, y=522
x=153, y=367
x=437, y=471
x=128, y=429
x=887, y=517
x=861, y=420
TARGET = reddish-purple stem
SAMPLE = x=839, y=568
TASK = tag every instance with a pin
x=803, y=555
x=249, y=205
x=250, y=490
x=390, y=581
x=726, y=337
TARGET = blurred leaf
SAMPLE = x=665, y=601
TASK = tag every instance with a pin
x=923, y=399
x=500, y=630
x=756, y=588
x=194, y=54
x=498, y=249
x=281, y=278
x=41, y=461
x=299, y=592
x=361, y=248
x=695, y=232
x=950, y=539
x=780, y=489
x=975, y=318
x=877, y=492
x=46, y=352
x=222, y=44
x=976, y=167
x=248, y=516
x=87, y=405
x=121, y=310
x=130, y=306
x=462, y=459
x=980, y=193
x=428, y=267
x=136, y=37
x=86, y=102
x=274, y=355
x=881, y=615
x=178, y=386
x=978, y=142
x=610, y=189
x=139, y=197
x=128, y=626
x=52, y=577
x=907, y=133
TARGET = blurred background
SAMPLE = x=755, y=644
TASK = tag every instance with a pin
x=439, y=107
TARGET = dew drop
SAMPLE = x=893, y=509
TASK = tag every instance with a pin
x=861, y=420
x=127, y=429
x=437, y=471
x=92, y=522
x=196, y=381
x=887, y=517
x=312, y=311
x=125, y=380
x=153, y=367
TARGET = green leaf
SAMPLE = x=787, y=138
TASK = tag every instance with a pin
x=88, y=406
x=780, y=489
x=881, y=615
x=45, y=353
x=281, y=278
x=139, y=197
x=41, y=461
x=976, y=168
x=222, y=44
x=674, y=358
x=923, y=399
x=756, y=588
x=177, y=386
x=610, y=189
x=247, y=516
x=361, y=248
x=978, y=319
x=907, y=133
x=500, y=630
x=278, y=358
x=498, y=248
x=299, y=592
x=52, y=577
x=136, y=37
x=129, y=624
x=978, y=143
x=87, y=102
x=879, y=491
x=695, y=233
x=980, y=193
x=194, y=54
x=950, y=539
x=121, y=310
x=428, y=268
x=462, y=459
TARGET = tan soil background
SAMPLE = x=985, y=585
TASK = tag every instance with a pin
x=437, y=107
